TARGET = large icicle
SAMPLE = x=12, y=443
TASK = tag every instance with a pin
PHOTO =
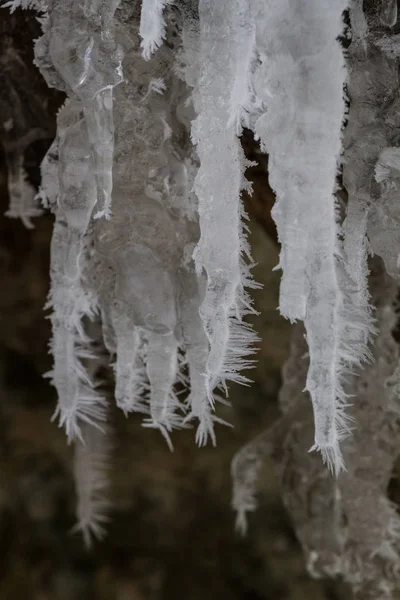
x=218, y=183
x=299, y=83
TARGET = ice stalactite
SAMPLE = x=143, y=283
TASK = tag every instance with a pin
x=152, y=26
x=78, y=399
x=298, y=84
x=91, y=466
x=92, y=456
x=67, y=186
x=253, y=75
x=23, y=203
x=218, y=186
x=130, y=368
x=362, y=541
x=388, y=14
x=347, y=526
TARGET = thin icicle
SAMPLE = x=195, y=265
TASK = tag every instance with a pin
x=77, y=189
x=162, y=370
x=49, y=185
x=22, y=196
x=196, y=348
x=152, y=26
x=218, y=184
x=389, y=13
x=91, y=466
x=78, y=399
x=245, y=470
x=131, y=381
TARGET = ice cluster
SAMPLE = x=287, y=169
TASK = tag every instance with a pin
x=150, y=259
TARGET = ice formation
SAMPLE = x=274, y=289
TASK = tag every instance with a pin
x=137, y=236
x=150, y=264
x=347, y=526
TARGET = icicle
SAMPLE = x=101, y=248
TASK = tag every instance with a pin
x=389, y=13
x=22, y=196
x=77, y=194
x=162, y=371
x=130, y=368
x=299, y=81
x=49, y=185
x=218, y=185
x=152, y=26
x=78, y=400
x=91, y=465
x=196, y=347
x=359, y=26
x=245, y=471
x=245, y=37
